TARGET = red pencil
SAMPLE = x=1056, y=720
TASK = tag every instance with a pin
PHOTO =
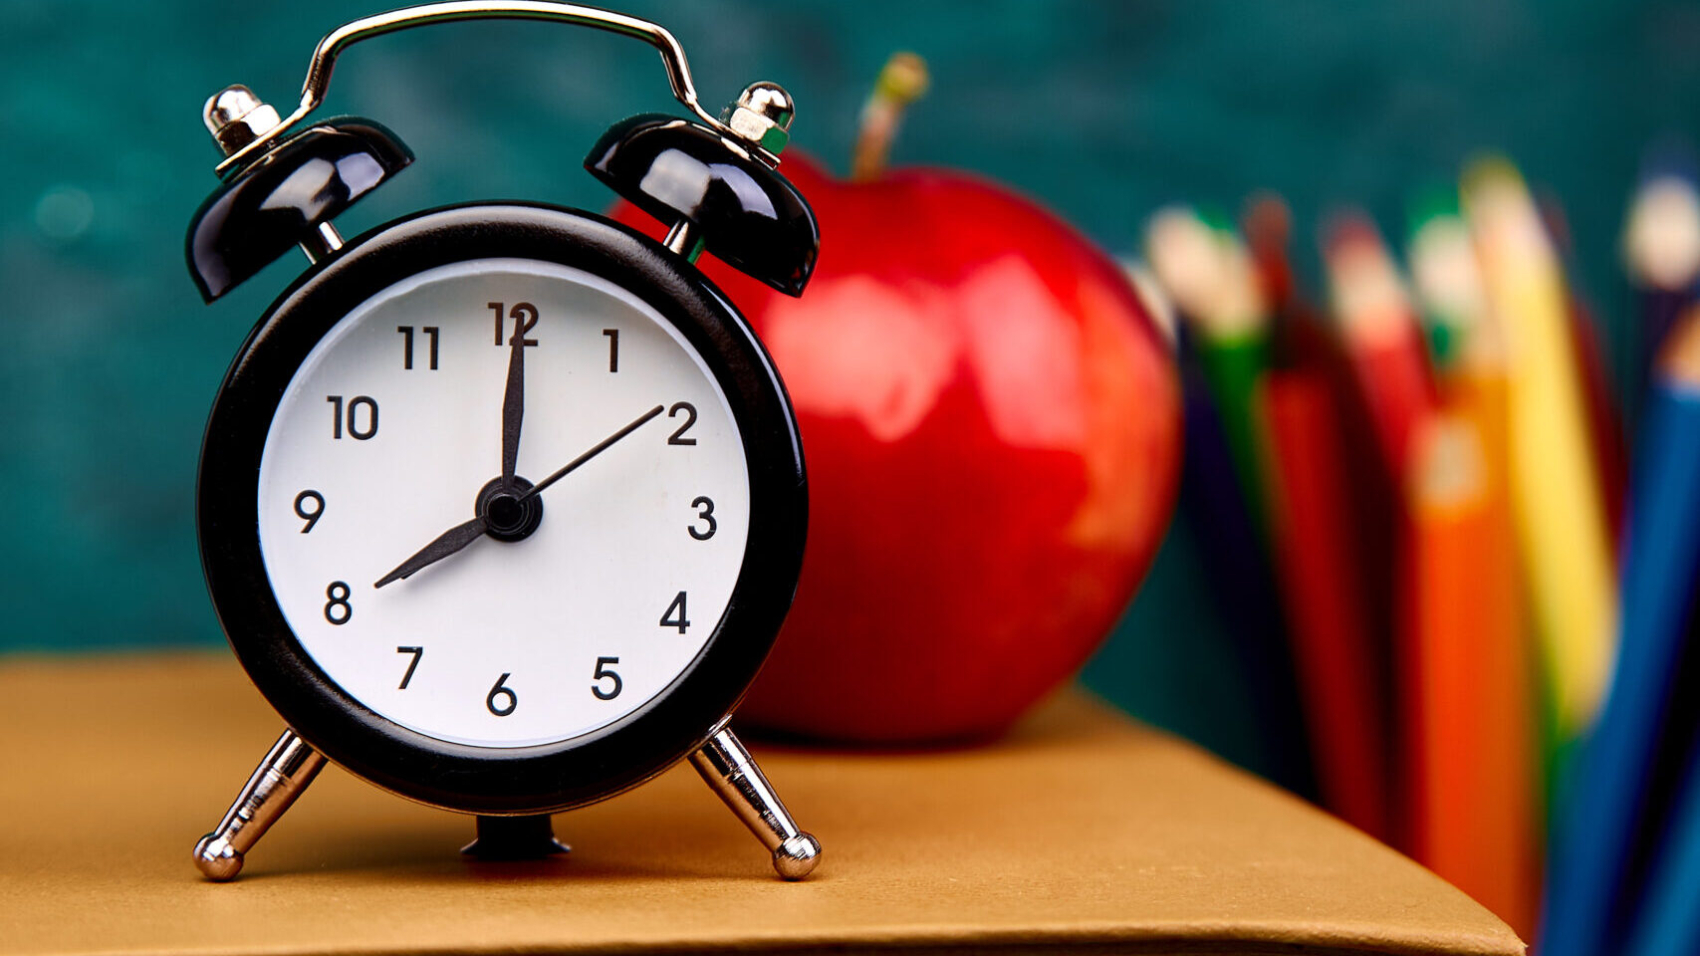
x=1313, y=484
x=1379, y=329
x=1318, y=566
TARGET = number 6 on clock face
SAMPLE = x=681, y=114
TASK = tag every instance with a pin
x=573, y=597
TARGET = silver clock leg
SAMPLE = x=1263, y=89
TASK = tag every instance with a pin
x=733, y=774
x=287, y=770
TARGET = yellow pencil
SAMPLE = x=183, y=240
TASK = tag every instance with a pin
x=1555, y=489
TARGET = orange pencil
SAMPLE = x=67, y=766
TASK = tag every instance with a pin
x=1469, y=725
x=1470, y=705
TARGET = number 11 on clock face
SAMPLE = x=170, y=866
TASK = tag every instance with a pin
x=557, y=601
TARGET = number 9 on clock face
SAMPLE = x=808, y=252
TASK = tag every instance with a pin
x=391, y=429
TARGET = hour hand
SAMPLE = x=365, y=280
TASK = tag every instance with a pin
x=445, y=544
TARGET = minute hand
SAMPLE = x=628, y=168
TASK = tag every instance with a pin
x=601, y=447
x=513, y=402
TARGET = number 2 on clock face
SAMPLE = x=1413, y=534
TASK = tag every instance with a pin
x=503, y=643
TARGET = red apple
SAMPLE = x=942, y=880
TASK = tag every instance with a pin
x=990, y=420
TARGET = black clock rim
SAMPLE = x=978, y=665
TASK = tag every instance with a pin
x=534, y=779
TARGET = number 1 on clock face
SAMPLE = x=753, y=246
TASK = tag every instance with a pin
x=567, y=627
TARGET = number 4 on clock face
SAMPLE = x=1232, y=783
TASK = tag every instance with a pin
x=675, y=616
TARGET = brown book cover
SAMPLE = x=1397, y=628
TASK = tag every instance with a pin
x=1080, y=831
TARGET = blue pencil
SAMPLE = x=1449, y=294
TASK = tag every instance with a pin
x=1662, y=553
x=1670, y=918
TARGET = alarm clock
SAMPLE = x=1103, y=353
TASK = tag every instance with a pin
x=501, y=505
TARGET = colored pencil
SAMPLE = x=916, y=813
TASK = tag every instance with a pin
x=1446, y=279
x=1242, y=583
x=1606, y=439
x=1187, y=256
x=1319, y=566
x=1380, y=335
x=1309, y=486
x=1661, y=250
x=1380, y=332
x=1555, y=488
x=1470, y=724
x=1662, y=557
x=1268, y=224
x=1669, y=924
x=1469, y=716
x=1210, y=274
x=1604, y=424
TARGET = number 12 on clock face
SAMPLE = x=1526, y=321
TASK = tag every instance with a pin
x=566, y=594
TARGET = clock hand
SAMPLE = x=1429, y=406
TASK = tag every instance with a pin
x=601, y=447
x=513, y=405
x=445, y=544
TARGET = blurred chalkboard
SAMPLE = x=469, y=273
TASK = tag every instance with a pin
x=1102, y=110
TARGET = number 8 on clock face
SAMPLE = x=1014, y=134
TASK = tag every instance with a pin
x=388, y=442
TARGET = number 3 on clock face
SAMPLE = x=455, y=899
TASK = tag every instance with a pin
x=390, y=428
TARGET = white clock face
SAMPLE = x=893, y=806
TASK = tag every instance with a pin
x=392, y=427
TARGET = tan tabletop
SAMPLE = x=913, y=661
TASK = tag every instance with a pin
x=1081, y=831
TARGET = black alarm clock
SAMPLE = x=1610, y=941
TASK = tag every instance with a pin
x=501, y=505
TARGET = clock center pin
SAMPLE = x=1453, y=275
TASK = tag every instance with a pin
x=508, y=515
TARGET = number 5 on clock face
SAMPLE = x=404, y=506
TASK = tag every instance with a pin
x=392, y=427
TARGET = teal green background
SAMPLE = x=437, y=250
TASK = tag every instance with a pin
x=1103, y=111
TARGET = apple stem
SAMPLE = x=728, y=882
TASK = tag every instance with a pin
x=902, y=81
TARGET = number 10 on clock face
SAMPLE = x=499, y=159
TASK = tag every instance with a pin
x=391, y=433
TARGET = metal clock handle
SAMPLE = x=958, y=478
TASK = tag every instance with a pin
x=287, y=770
x=733, y=775
x=324, y=56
